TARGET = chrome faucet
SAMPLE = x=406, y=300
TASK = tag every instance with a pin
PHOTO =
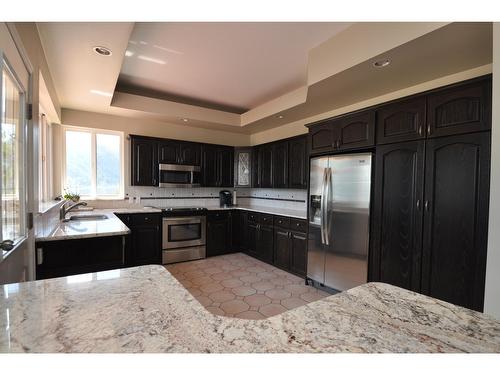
x=63, y=210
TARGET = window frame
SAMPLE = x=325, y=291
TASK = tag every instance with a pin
x=93, y=178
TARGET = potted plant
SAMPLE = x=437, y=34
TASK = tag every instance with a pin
x=70, y=196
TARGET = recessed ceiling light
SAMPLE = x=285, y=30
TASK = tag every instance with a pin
x=185, y=119
x=381, y=63
x=103, y=51
x=102, y=93
x=280, y=116
x=150, y=59
x=129, y=53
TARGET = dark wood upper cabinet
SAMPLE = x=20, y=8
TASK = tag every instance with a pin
x=321, y=138
x=397, y=215
x=280, y=165
x=255, y=166
x=456, y=218
x=297, y=163
x=266, y=166
x=169, y=151
x=144, y=162
x=190, y=153
x=401, y=121
x=217, y=166
x=355, y=131
x=460, y=109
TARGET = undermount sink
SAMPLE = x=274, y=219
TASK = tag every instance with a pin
x=86, y=217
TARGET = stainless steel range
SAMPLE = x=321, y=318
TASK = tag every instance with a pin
x=183, y=234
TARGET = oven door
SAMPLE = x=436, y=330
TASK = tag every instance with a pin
x=183, y=232
x=172, y=175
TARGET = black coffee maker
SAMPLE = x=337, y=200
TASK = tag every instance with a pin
x=225, y=198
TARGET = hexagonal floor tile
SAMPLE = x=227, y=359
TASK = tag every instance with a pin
x=263, y=286
x=311, y=296
x=297, y=289
x=250, y=279
x=257, y=300
x=278, y=294
x=234, y=307
x=212, y=287
x=244, y=291
x=231, y=283
x=291, y=303
x=221, y=276
x=250, y=315
x=272, y=309
x=221, y=296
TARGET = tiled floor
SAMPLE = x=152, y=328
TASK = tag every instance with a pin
x=237, y=285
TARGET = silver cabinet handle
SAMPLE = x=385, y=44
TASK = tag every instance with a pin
x=123, y=250
x=428, y=129
x=426, y=206
x=420, y=130
x=39, y=256
x=418, y=204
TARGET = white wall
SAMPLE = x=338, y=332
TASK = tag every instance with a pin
x=492, y=291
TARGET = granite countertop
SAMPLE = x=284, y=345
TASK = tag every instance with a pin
x=112, y=226
x=298, y=214
x=145, y=309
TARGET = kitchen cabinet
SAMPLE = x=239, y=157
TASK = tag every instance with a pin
x=298, y=253
x=242, y=231
x=297, y=163
x=353, y=131
x=280, y=164
x=457, y=175
x=265, y=165
x=281, y=248
x=290, y=245
x=219, y=233
x=260, y=236
x=217, y=166
x=255, y=167
x=461, y=108
x=397, y=214
x=402, y=121
x=172, y=151
x=72, y=257
x=144, y=161
x=143, y=243
x=431, y=217
x=243, y=167
x=265, y=243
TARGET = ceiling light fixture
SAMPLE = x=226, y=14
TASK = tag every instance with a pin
x=185, y=119
x=150, y=59
x=381, y=63
x=103, y=51
x=102, y=93
x=129, y=53
x=280, y=117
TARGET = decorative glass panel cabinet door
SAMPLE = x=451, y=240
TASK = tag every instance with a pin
x=243, y=167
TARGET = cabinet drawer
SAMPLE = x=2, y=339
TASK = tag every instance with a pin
x=298, y=225
x=142, y=219
x=282, y=222
x=214, y=215
x=253, y=217
x=266, y=219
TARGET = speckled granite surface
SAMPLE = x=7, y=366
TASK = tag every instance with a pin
x=145, y=309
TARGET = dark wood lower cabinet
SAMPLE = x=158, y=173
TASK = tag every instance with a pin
x=71, y=257
x=282, y=248
x=298, y=253
x=265, y=243
x=219, y=233
x=143, y=243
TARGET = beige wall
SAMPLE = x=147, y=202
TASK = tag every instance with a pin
x=492, y=290
x=297, y=127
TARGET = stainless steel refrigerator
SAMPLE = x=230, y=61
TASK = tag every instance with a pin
x=339, y=220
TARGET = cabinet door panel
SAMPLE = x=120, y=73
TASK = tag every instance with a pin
x=356, y=130
x=209, y=166
x=265, y=244
x=252, y=237
x=401, y=121
x=321, y=138
x=190, y=154
x=281, y=248
x=168, y=152
x=456, y=219
x=243, y=233
x=146, y=247
x=461, y=109
x=280, y=165
x=298, y=253
x=297, y=173
x=225, y=166
x=266, y=166
x=397, y=210
x=144, y=162
x=255, y=167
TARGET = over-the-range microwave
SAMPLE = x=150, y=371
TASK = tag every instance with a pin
x=174, y=175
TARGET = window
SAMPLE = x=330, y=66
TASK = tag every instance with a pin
x=45, y=159
x=93, y=163
x=12, y=158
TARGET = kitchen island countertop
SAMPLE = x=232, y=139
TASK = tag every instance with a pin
x=145, y=309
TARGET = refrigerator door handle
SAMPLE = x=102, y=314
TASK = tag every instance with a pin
x=323, y=206
x=329, y=184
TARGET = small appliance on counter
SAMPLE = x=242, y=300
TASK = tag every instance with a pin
x=225, y=198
